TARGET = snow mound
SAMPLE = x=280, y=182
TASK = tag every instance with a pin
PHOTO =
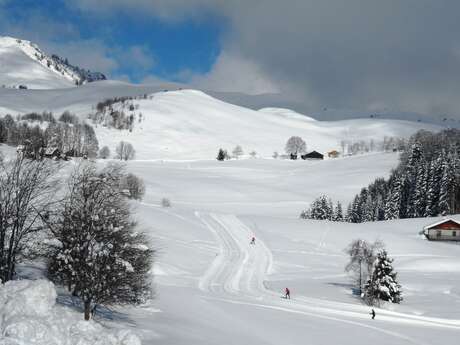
x=29, y=315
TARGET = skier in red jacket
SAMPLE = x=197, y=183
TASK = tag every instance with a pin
x=288, y=293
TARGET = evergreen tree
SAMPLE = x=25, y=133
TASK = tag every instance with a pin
x=383, y=284
x=222, y=155
x=393, y=203
x=338, y=213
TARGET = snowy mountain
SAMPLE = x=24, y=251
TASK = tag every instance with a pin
x=24, y=65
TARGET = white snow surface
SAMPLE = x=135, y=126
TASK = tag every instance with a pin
x=19, y=65
x=29, y=315
x=213, y=287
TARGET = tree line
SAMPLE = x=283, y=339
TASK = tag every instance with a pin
x=67, y=134
x=426, y=183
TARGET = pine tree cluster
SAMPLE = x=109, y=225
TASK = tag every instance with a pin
x=322, y=209
x=426, y=183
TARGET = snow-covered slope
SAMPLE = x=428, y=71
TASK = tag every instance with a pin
x=188, y=124
x=23, y=63
x=215, y=288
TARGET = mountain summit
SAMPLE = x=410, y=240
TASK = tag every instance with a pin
x=24, y=65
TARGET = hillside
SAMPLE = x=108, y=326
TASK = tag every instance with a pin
x=188, y=124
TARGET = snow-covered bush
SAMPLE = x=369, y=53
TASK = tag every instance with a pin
x=30, y=316
x=134, y=185
x=237, y=151
x=165, y=202
x=383, y=284
x=104, y=153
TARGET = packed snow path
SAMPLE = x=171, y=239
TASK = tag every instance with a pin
x=238, y=272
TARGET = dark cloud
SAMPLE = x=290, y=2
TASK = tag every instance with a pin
x=369, y=54
x=364, y=54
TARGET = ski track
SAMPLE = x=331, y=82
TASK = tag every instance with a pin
x=238, y=272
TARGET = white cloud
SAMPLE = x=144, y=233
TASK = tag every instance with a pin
x=234, y=73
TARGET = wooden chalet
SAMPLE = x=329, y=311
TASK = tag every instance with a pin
x=313, y=155
x=333, y=154
x=443, y=230
x=52, y=152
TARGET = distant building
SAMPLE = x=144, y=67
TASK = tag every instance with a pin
x=333, y=154
x=313, y=155
x=52, y=152
x=444, y=230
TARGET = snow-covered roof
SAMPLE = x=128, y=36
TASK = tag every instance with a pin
x=50, y=150
x=445, y=220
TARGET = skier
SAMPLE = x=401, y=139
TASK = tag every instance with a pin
x=287, y=293
x=253, y=240
x=373, y=314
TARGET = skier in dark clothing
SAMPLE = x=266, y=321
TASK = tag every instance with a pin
x=253, y=240
x=287, y=293
x=373, y=314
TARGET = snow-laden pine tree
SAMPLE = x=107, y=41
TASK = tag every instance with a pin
x=338, y=213
x=420, y=191
x=222, y=155
x=408, y=203
x=382, y=284
x=393, y=203
x=321, y=209
x=99, y=255
x=354, y=214
x=447, y=185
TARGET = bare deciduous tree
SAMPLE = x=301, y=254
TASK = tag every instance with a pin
x=125, y=151
x=362, y=256
x=237, y=151
x=295, y=146
x=26, y=191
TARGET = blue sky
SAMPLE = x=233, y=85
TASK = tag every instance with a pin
x=141, y=45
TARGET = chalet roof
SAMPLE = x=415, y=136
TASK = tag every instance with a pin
x=313, y=154
x=442, y=221
x=50, y=150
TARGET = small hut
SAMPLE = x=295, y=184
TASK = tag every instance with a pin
x=333, y=154
x=314, y=155
x=443, y=230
